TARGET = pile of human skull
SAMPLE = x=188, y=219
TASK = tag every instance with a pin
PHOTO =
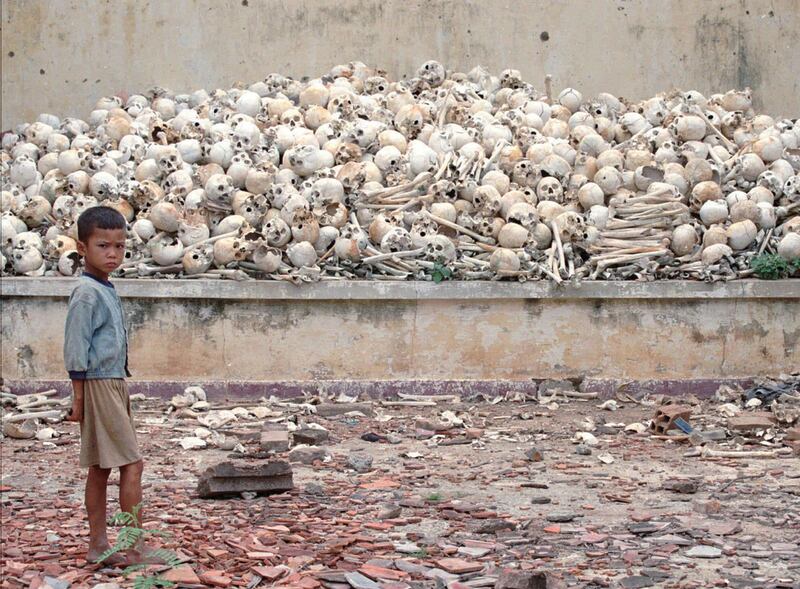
x=354, y=176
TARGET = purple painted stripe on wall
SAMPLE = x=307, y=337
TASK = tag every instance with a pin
x=387, y=389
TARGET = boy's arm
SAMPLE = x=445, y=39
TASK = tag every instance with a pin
x=76, y=412
x=78, y=331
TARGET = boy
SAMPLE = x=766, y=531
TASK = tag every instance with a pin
x=96, y=357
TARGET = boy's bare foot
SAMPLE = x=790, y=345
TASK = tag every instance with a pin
x=94, y=553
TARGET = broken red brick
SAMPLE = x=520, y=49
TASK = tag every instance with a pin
x=216, y=578
x=182, y=575
x=665, y=416
x=458, y=566
x=376, y=572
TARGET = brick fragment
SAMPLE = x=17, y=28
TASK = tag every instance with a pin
x=751, y=421
x=665, y=416
x=274, y=440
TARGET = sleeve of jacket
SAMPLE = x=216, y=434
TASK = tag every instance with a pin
x=78, y=331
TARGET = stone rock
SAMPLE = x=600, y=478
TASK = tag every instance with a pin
x=516, y=579
x=55, y=583
x=20, y=430
x=583, y=450
x=310, y=436
x=405, y=548
x=193, y=443
x=359, y=581
x=542, y=500
x=636, y=582
x=684, y=486
x=534, y=455
x=751, y=421
x=360, y=462
x=703, y=551
x=315, y=489
x=274, y=440
x=495, y=525
x=709, y=507
x=390, y=512
x=335, y=409
x=239, y=476
x=561, y=517
x=714, y=435
x=550, y=386
x=308, y=454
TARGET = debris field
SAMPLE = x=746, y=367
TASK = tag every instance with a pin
x=560, y=489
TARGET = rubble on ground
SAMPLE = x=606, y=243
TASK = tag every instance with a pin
x=515, y=492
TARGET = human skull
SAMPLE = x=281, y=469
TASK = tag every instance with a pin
x=198, y=260
x=432, y=72
x=166, y=250
x=267, y=259
x=230, y=249
x=571, y=226
x=397, y=239
x=440, y=249
x=69, y=262
x=549, y=189
x=219, y=189
x=246, y=136
x=302, y=254
x=169, y=160
x=56, y=247
x=277, y=232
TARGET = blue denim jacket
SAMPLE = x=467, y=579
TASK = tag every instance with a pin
x=95, y=338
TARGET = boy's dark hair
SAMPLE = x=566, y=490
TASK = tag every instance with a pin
x=99, y=218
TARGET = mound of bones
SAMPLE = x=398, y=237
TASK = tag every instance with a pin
x=354, y=176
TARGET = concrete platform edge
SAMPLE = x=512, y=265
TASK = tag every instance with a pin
x=413, y=290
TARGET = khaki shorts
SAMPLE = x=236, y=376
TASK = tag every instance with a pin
x=108, y=437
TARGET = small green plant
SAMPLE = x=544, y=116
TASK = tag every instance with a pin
x=130, y=537
x=421, y=553
x=434, y=497
x=773, y=267
x=440, y=272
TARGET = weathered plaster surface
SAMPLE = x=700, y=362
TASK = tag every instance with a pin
x=190, y=331
x=59, y=56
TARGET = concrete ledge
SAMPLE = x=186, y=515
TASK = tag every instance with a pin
x=363, y=334
x=375, y=290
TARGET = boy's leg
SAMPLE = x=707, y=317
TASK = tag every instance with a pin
x=96, y=485
x=130, y=495
x=130, y=487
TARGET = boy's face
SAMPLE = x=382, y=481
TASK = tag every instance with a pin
x=104, y=251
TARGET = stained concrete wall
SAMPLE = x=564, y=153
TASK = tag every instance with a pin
x=223, y=331
x=59, y=56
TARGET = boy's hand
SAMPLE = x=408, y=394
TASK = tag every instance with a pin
x=75, y=413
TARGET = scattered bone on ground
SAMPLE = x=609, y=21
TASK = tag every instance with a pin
x=468, y=176
x=434, y=491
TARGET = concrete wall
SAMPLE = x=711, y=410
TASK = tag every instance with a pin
x=59, y=56
x=266, y=331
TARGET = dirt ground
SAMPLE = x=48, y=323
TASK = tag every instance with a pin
x=503, y=485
